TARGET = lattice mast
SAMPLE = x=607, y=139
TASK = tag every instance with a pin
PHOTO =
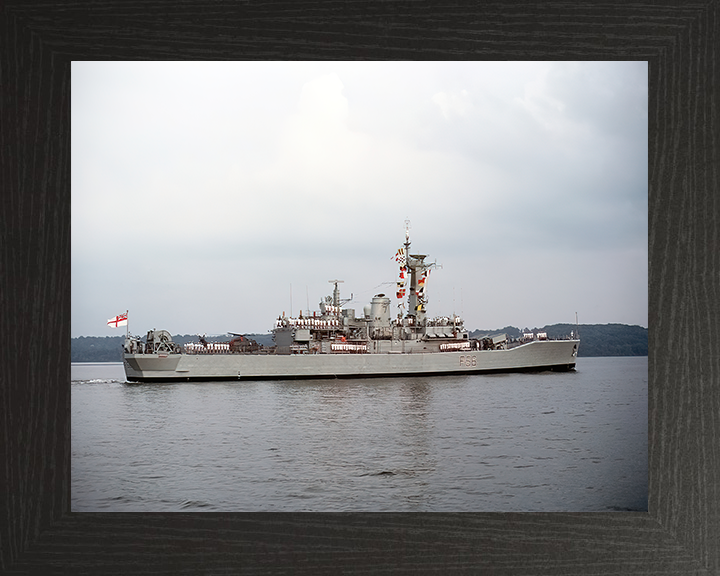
x=413, y=270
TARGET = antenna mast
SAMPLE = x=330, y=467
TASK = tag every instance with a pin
x=417, y=270
x=336, y=294
x=577, y=327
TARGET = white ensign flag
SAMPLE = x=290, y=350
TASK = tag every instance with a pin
x=120, y=320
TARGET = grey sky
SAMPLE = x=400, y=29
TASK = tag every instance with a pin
x=211, y=197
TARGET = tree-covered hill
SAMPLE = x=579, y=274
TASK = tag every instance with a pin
x=595, y=340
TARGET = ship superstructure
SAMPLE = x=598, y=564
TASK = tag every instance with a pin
x=336, y=342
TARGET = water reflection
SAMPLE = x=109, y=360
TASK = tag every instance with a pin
x=523, y=442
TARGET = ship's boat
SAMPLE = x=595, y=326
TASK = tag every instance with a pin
x=334, y=342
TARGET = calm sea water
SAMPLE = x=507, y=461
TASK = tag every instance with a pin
x=566, y=442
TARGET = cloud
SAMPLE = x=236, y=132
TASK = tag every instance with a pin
x=453, y=104
x=209, y=188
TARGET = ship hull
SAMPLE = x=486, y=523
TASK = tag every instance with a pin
x=533, y=356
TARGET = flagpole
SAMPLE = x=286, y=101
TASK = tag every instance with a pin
x=127, y=325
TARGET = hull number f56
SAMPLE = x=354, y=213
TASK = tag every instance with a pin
x=468, y=361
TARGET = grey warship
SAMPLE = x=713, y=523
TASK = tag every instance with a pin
x=334, y=342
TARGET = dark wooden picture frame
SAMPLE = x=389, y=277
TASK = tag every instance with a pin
x=681, y=531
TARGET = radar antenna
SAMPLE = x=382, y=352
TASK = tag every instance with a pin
x=336, y=292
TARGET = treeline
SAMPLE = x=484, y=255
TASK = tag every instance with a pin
x=595, y=340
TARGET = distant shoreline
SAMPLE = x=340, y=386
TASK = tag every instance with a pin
x=596, y=340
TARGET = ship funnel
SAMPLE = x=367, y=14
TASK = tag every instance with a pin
x=380, y=311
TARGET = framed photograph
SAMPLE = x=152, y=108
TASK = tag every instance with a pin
x=42, y=533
